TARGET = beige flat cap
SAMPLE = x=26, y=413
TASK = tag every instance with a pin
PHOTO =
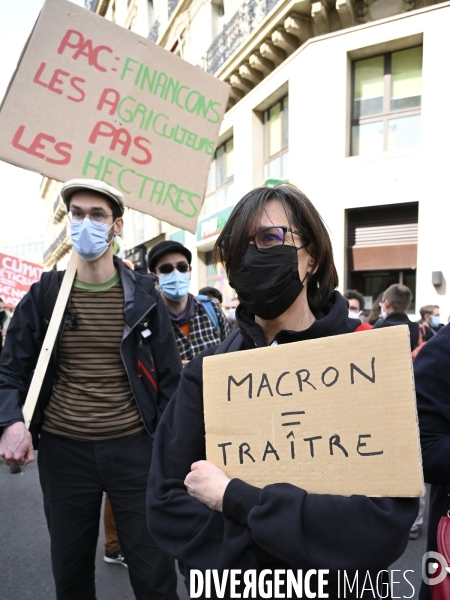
x=77, y=185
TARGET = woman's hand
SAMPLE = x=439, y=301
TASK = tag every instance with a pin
x=207, y=483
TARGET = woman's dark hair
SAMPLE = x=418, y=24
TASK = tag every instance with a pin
x=302, y=216
x=375, y=312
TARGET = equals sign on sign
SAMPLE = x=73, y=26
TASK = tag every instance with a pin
x=295, y=412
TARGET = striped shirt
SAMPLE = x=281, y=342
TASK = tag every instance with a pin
x=91, y=397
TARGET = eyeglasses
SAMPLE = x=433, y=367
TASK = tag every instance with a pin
x=167, y=268
x=97, y=216
x=266, y=239
x=271, y=239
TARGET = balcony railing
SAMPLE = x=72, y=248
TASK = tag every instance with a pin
x=154, y=31
x=236, y=31
x=172, y=4
x=61, y=237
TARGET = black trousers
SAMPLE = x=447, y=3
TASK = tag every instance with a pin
x=73, y=476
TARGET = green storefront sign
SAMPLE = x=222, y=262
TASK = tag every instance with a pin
x=213, y=224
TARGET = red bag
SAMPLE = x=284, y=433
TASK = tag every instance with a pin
x=441, y=591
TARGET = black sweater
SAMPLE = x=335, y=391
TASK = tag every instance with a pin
x=280, y=526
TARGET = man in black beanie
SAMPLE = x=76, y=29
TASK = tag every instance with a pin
x=198, y=323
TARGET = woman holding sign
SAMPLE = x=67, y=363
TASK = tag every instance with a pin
x=278, y=256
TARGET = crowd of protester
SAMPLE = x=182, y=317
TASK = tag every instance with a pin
x=123, y=397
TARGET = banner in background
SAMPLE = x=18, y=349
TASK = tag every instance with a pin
x=16, y=277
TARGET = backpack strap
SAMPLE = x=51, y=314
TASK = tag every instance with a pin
x=422, y=340
x=48, y=292
x=422, y=334
x=209, y=308
x=232, y=343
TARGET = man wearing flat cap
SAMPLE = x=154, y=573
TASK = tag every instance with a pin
x=198, y=322
x=104, y=392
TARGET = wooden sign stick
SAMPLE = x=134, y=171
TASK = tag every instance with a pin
x=49, y=342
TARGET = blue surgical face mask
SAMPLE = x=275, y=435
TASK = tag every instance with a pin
x=90, y=239
x=435, y=321
x=174, y=285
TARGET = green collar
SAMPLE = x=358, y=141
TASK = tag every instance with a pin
x=96, y=287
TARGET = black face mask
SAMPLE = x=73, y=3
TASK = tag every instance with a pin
x=2, y=316
x=268, y=283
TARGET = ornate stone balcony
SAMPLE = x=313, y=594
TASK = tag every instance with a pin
x=172, y=4
x=251, y=46
x=238, y=28
x=154, y=31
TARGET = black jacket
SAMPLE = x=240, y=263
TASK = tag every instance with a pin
x=279, y=526
x=432, y=374
x=153, y=364
x=401, y=318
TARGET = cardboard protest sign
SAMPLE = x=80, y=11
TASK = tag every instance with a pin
x=334, y=415
x=92, y=99
x=16, y=277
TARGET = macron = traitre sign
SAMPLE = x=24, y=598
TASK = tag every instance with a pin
x=92, y=99
x=335, y=415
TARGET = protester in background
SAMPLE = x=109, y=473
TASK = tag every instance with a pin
x=394, y=303
x=231, y=311
x=197, y=325
x=211, y=292
x=430, y=317
x=278, y=256
x=3, y=319
x=432, y=381
x=436, y=324
x=214, y=293
x=426, y=315
x=374, y=317
x=356, y=307
x=105, y=390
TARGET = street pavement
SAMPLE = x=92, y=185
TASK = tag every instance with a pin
x=25, y=570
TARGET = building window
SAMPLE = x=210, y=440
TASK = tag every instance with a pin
x=219, y=189
x=276, y=125
x=382, y=248
x=387, y=96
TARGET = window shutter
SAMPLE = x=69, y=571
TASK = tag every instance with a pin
x=383, y=237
